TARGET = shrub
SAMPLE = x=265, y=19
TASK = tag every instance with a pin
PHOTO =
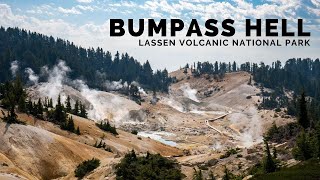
x=282, y=133
x=229, y=153
x=135, y=132
x=239, y=155
x=151, y=166
x=85, y=167
x=107, y=127
x=304, y=170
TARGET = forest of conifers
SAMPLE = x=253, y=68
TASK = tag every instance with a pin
x=95, y=66
x=294, y=77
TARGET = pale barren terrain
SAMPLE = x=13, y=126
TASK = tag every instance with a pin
x=195, y=123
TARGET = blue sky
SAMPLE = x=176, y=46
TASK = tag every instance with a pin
x=85, y=22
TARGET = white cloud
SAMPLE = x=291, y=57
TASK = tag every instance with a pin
x=156, y=15
x=115, y=5
x=161, y=5
x=128, y=4
x=42, y=9
x=85, y=8
x=85, y=1
x=73, y=10
x=198, y=1
x=316, y=3
x=236, y=9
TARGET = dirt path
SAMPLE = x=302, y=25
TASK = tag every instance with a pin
x=212, y=127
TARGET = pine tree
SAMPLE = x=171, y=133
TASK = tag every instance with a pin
x=83, y=112
x=268, y=164
x=59, y=114
x=303, y=118
x=50, y=103
x=275, y=154
x=216, y=67
x=317, y=134
x=250, y=83
x=78, y=131
x=76, y=108
x=70, y=125
x=22, y=104
x=30, y=107
x=185, y=71
x=68, y=105
x=46, y=103
x=39, y=110
x=19, y=94
x=11, y=117
x=302, y=150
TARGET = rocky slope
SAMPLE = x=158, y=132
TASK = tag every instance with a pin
x=196, y=123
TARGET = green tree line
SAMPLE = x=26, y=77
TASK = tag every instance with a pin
x=36, y=50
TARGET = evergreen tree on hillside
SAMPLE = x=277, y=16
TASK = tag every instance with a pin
x=302, y=150
x=234, y=66
x=30, y=107
x=59, y=114
x=46, y=103
x=78, y=131
x=11, y=117
x=50, y=105
x=13, y=94
x=146, y=76
x=68, y=105
x=303, y=118
x=76, y=108
x=19, y=94
x=70, y=124
x=107, y=127
x=317, y=144
x=83, y=111
x=39, y=109
x=268, y=162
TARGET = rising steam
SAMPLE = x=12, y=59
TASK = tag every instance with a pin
x=57, y=76
x=115, y=85
x=250, y=133
x=32, y=76
x=100, y=105
x=189, y=93
x=14, y=67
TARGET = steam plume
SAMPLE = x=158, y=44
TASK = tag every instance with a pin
x=189, y=93
x=32, y=76
x=14, y=67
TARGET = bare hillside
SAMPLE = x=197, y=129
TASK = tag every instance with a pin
x=44, y=151
x=52, y=153
x=195, y=123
